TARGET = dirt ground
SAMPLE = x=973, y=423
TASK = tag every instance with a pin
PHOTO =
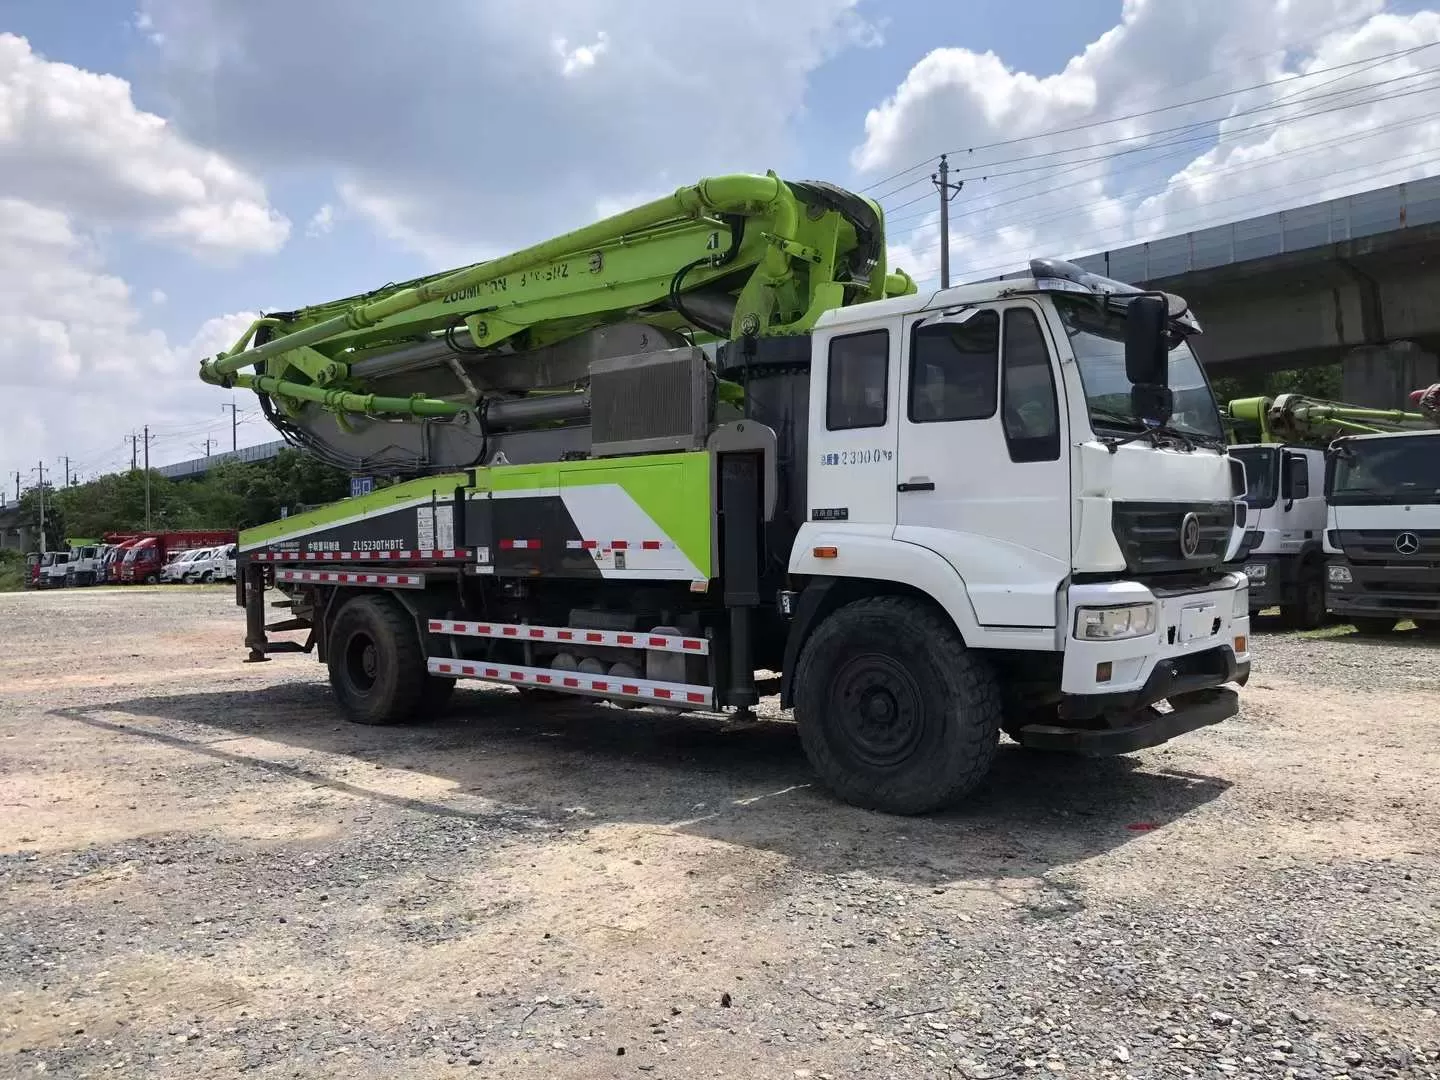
x=204, y=872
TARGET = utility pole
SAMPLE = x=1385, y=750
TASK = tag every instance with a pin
x=17, y=485
x=234, y=424
x=66, y=459
x=147, y=477
x=948, y=191
x=41, y=492
x=208, y=441
x=134, y=441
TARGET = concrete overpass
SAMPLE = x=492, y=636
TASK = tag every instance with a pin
x=1355, y=280
x=186, y=470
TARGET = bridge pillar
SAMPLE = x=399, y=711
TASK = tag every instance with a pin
x=1382, y=376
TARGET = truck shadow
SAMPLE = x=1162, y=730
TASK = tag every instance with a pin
x=584, y=764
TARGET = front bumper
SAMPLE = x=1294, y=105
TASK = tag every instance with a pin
x=1194, y=628
x=1395, y=591
x=1265, y=591
x=1112, y=691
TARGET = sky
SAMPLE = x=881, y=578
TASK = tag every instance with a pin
x=171, y=168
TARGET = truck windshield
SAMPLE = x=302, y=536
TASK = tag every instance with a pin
x=1098, y=339
x=1262, y=474
x=1399, y=469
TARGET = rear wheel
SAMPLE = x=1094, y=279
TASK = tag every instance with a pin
x=1372, y=624
x=895, y=714
x=377, y=664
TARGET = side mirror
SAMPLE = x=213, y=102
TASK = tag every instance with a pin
x=1297, y=477
x=1147, y=348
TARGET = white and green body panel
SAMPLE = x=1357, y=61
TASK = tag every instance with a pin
x=645, y=518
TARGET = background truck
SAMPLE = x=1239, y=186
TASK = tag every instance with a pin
x=84, y=561
x=1282, y=554
x=715, y=435
x=146, y=557
x=1379, y=541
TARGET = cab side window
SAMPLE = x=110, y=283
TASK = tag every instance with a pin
x=953, y=369
x=859, y=373
x=1028, y=405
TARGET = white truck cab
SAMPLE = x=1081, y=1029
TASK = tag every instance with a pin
x=1282, y=553
x=57, y=569
x=1382, y=536
x=1064, y=505
x=84, y=561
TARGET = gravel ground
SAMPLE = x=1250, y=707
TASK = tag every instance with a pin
x=206, y=873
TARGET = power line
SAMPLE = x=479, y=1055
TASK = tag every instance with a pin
x=1091, y=125
x=1110, y=154
x=1206, y=137
x=1109, y=245
x=1231, y=170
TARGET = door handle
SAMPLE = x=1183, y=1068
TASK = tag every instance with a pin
x=917, y=484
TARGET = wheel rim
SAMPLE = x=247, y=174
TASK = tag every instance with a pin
x=876, y=707
x=362, y=662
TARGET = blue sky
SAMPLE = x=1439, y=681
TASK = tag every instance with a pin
x=144, y=218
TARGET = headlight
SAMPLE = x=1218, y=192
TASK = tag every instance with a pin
x=1115, y=623
x=1240, y=602
x=1256, y=571
x=1340, y=575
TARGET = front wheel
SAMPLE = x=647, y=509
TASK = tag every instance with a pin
x=377, y=665
x=895, y=713
x=1306, y=611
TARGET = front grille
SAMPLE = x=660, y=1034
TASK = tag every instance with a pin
x=1420, y=547
x=1149, y=535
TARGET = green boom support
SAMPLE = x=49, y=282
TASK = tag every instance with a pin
x=778, y=255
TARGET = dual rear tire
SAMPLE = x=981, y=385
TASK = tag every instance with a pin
x=377, y=664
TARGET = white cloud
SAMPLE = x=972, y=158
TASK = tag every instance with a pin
x=322, y=221
x=1031, y=192
x=574, y=61
x=75, y=139
x=456, y=158
x=74, y=350
x=79, y=166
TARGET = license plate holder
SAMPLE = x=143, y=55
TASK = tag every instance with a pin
x=1197, y=621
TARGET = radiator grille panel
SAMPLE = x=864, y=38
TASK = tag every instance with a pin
x=655, y=401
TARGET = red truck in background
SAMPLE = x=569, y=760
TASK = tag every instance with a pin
x=145, y=556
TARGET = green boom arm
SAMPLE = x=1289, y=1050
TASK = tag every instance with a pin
x=1295, y=418
x=775, y=255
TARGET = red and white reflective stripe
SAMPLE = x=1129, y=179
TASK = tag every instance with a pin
x=350, y=577
x=575, y=682
x=621, y=545
x=519, y=545
x=620, y=639
x=360, y=556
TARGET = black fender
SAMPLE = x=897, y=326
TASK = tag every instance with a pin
x=809, y=607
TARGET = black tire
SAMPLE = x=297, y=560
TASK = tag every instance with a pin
x=895, y=714
x=1374, y=625
x=377, y=665
x=152, y=579
x=1306, y=611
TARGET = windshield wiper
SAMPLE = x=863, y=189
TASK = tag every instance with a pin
x=1188, y=439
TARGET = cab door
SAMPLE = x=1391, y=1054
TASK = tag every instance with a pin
x=982, y=476
x=854, y=404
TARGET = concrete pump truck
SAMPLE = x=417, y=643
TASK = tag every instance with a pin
x=1348, y=499
x=716, y=436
